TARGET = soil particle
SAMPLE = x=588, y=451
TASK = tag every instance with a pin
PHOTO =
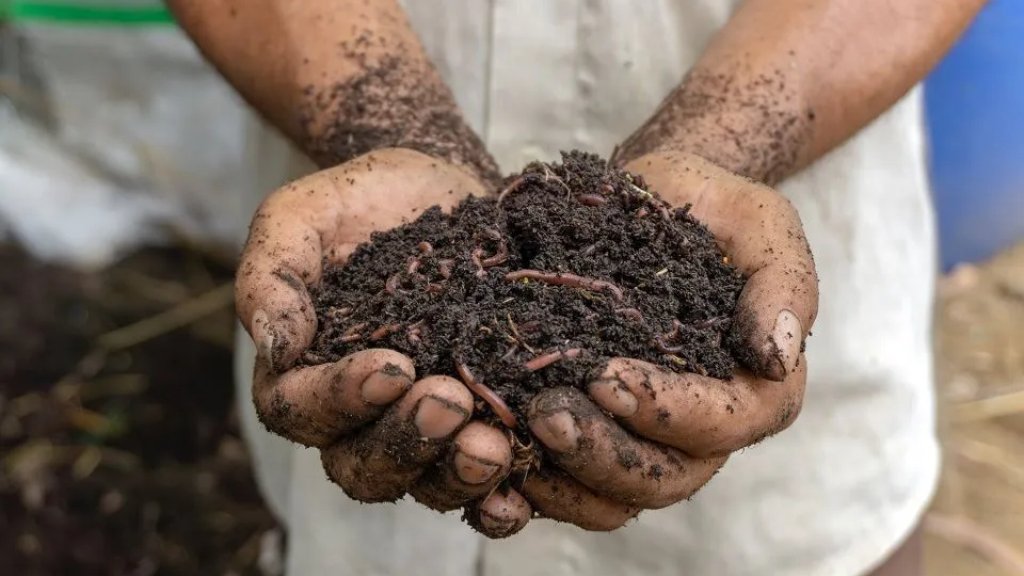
x=538, y=287
x=700, y=116
x=392, y=101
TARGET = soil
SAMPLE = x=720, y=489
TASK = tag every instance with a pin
x=126, y=460
x=572, y=264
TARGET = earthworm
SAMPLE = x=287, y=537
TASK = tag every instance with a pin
x=512, y=187
x=501, y=410
x=335, y=312
x=352, y=334
x=631, y=313
x=592, y=199
x=508, y=354
x=545, y=360
x=499, y=257
x=384, y=331
x=413, y=332
x=434, y=288
x=391, y=285
x=478, y=262
x=566, y=279
x=641, y=212
x=660, y=344
x=444, y=268
x=414, y=265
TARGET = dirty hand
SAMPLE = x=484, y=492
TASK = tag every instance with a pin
x=381, y=433
x=647, y=438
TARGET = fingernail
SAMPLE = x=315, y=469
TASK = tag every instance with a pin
x=787, y=337
x=262, y=337
x=614, y=397
x=557, y=431
x=436, y=418
x=473, y=470
x=385, y=386
x=495, y=525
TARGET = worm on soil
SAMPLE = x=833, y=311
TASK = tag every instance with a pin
x=384, y=331
x=501, y=410
x=413, y=331
x=512, y=187
x=566, y=279
x=631, y=313
x=499, y=257
x=391, y=285
x=352, y=334
x=659, y=343
x=444, y=268
x=592, y=199
x=545, y=360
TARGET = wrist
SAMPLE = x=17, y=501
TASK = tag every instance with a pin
x=390, y=101
x=753, y=124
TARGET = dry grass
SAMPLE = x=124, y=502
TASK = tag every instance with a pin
x=976, y=525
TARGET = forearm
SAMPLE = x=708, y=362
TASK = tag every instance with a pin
x=339, y=77
x=787, y=80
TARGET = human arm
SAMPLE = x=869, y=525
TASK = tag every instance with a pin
x=340, y=78
x=350, y=84
x=781, y=84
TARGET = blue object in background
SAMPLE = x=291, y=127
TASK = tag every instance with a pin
x=975, y=112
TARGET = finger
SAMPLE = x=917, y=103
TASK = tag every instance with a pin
x=478, y=459
x=380, y=463
x=281, y=258
x=500, y=515
x=557, y=496
x=761, y=232
x=701, y=416
x=315, y=405
x=299, y=225
x=597, y=452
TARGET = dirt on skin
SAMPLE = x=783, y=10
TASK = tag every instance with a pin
x=571, y=265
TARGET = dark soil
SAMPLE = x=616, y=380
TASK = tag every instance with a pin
x=127, y=460
x=573, y=264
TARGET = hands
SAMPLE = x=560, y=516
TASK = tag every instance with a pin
x=381, y=432
x=646, y=438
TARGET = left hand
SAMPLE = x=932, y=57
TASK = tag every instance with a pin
x=648, y=438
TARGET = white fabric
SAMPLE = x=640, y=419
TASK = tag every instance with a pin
x=134, y=137
x=833, y=495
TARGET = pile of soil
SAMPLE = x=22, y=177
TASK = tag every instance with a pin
x=571, y=265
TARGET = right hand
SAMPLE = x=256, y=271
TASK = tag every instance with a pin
x=381, y=433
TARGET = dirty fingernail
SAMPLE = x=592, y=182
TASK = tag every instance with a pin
x=262, y=337
x=437, y=418
x=614, y=397
x=787, y=337
x=557, y=431
x=383, y=387
x=473, y=470
x=494, y=525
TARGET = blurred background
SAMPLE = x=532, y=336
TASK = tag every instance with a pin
x=119, y=447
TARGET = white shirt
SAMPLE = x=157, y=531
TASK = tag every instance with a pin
x=834, y=494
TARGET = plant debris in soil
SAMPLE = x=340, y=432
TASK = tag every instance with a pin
x=570, y=265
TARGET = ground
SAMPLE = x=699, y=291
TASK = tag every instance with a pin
x=120, y=454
